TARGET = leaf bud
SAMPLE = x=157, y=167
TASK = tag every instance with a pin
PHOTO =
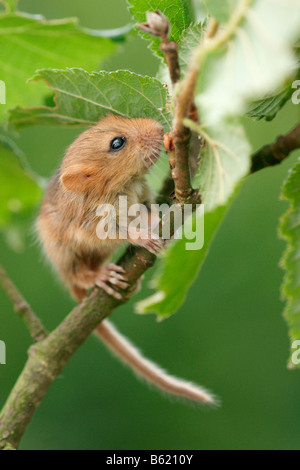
x=157, y=24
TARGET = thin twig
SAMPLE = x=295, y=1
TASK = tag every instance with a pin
x=170, y=50
x=212, y=28
x=22, y=308
x=182, y=135
x=159, y=25
x=275, y=153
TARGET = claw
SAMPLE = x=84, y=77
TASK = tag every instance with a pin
x=114, y=275
x=154, y=245
x=115, y=268
x=118, y=283
x=109, y=290
x=110, y=274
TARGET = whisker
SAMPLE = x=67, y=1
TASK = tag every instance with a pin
x=153, y=139
x=155, y=165
x=157, y=149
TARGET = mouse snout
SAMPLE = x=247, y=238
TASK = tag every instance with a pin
x=149, y=127
x=152, y=139
x=153, y=131
x=159, y=130
x=151, y=142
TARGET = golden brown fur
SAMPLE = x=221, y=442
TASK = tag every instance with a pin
x=90, y=174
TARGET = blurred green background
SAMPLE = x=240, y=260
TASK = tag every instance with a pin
x=228, y=336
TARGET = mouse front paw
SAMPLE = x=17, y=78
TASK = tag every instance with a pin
x=154, y=245
x=148, y=240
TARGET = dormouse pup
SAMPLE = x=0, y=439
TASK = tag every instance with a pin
x=104, y=162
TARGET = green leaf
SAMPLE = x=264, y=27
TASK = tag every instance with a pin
x=20, y=189
x=289, y=229
x=158, y=172
x=190, y=39
x=200, y=10
x=224, y=161
x=221, y=9
x=82, y=98
x=268, y=107
x=175, y=276
x=179, y=13
x=28, y=43
x=11, y=5
x=256, y=61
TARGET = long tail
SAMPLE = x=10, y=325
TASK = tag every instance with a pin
x=146, y=369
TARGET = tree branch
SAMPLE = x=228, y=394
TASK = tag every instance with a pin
x=22, y=308
x=48, y=357
x=275, y=153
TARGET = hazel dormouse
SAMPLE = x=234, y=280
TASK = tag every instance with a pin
x=105, y=162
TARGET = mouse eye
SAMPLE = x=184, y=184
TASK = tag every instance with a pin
x=117, y=144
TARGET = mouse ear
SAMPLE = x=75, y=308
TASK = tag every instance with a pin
x=76, y=178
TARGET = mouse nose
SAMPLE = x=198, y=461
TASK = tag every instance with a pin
x=149, y=130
